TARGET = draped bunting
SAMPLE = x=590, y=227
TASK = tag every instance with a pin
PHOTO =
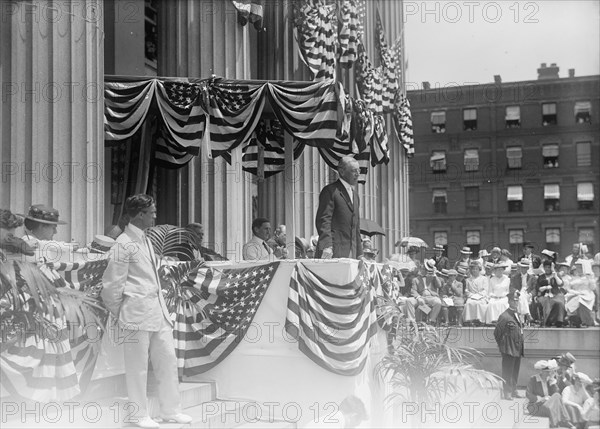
x=269, y=134
x=314, y=113
x=348, y=35
x=316, y=30
x=403, y=124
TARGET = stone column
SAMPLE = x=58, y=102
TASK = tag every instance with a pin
x=51, y=65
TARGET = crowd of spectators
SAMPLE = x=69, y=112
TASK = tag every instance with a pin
x=474, y=291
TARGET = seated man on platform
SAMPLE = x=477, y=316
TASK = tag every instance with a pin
x=257, y=249
x=201, y=252
x=425, y=289
x=278, y=242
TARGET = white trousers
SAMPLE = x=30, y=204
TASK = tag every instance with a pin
x=160, y=348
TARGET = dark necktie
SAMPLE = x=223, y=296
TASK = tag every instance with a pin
x=267, y=248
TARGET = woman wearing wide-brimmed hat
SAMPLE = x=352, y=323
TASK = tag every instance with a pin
x=497, y=294
x=476, y=292
x=40, y=223
x=544, y=397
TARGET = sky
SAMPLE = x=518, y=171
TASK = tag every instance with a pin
x=465, y=42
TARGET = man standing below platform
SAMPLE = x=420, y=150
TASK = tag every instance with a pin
x=132, y=294
x=337, y=220
x=509, y=337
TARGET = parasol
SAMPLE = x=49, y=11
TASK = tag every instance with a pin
x=411, y=242
x=370, y=227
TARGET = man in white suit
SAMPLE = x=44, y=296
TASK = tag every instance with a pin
x=132, y=294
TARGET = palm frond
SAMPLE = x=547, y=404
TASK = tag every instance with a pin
x=178, y=282
x=171, y=241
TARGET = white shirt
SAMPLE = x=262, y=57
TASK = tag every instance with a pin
x=257, y=250
x=349, y=189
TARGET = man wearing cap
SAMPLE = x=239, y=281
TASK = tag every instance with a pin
x=441, y=262
x=465, y=257
x=550, y=296
x=425, y=289
x=133, y=296
x=565, y=370
x=544, y=397
x=509, y=337
x=525, y=283
x=534, y=260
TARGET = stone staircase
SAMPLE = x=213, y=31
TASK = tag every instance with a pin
x=198, y=400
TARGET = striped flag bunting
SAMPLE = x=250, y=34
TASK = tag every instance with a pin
x=389, y=80
x=403, y=124
x=333, y=323
x=316, y=31
x=249, y=11
x=348, y=35
x=50, y=359
x=81, y=276
x=235, y=109
x=212, y=309
x=269, y=134
x=126, y=105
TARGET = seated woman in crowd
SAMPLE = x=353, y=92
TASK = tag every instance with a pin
x=497, y=294
x=11, y=247
x=574, y=396
x=476, y=290
x=580, y=297
x=542, y=392
x=591, y=407
x=550, y=296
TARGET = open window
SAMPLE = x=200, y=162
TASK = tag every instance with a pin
x=548, y=114
x=469, y=119
x=514, y=197
x=438, y=161
x=583, y=112
x=551, y=197
x=438, y=122
x=471, y=159
x=550, y=155
x=513, y=116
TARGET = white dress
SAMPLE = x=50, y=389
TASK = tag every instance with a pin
x=524, y=299
x=498, y=300
x=581, y=292
x=476, y=292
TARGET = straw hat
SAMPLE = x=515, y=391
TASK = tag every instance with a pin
x=101, y=244
x=466, y=251
x=524, y=262
x=44, y=214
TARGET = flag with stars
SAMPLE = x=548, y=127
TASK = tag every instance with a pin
x=332, y=323
x=219, y=307
x=81, y=276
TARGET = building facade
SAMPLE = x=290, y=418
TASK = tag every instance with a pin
x=54, y=59
x=503, y=163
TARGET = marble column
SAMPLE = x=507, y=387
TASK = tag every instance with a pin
x=51, y=68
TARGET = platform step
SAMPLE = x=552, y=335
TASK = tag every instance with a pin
x=223, y=414
x=100, y=413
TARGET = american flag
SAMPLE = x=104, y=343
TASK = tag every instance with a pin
x=270, y=135
x=403, y=124
x=215, y=311
x=82, y=276
x=181, y=119
x=389, y=79
x=249, y=10
x=235, y=107
x=348, y=34
x=316, y=33
x=333, y=323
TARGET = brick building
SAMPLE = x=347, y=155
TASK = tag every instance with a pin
x=504, y=163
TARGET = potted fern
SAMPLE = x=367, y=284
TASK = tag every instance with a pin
x=423, y=367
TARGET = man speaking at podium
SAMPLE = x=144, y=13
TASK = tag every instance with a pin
x=337, y=220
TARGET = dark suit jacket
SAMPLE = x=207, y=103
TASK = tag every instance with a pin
x=338, y=222
x=535, y=388
x=508, y=334
x=543, y=280
x=515, y=282
x=442, y=263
